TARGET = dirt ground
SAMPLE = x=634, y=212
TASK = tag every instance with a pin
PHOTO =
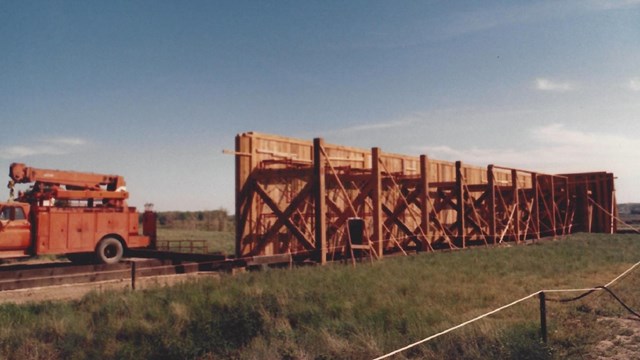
x=623, y=345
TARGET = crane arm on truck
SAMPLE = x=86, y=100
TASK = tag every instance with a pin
x=68, y=185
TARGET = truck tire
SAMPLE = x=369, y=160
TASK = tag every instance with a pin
x=109, y=251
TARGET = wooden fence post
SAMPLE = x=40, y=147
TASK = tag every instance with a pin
x=543, y=316
x=133, y=275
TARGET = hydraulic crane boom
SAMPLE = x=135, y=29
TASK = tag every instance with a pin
x=20, y=173
x=68, y=185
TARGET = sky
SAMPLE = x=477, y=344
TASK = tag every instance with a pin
x=155, y=90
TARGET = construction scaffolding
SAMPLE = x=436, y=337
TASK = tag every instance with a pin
x=297, y=197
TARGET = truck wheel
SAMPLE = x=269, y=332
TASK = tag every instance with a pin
x=109, y=251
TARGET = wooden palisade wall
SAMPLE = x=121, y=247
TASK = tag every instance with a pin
x=296, y=197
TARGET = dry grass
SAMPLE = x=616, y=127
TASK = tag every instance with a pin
x=342, y=312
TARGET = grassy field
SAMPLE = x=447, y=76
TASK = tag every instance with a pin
x=217, y=241
x=338, y=311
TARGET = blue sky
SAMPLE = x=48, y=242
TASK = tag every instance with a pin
x=155, y=90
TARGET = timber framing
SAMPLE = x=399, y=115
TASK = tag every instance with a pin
x=296, y=197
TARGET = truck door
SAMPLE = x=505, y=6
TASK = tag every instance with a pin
x=15, y=229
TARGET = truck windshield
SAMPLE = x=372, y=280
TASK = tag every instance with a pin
x=11, y=213
x=5, y=213
x=19, y=214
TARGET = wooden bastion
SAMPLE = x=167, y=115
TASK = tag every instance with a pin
x=303, y=199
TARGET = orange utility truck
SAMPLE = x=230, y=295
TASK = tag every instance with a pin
x=82, y=215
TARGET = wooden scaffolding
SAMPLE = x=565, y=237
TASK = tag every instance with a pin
x=296, y=197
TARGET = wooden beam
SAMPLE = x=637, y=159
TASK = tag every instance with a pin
x=425, y=201
x=553, y=206
x=516, y=204
x=536, y=205
x=402, y=206
x=284, y=218
x=320, y=194
x=401, y=225
x=376, y=197
x=491, y=189
x=460, y=206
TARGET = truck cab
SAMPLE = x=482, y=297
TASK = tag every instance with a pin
x=15, y=229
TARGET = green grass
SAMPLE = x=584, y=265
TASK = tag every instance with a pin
x=217, y=241
x=338, y=311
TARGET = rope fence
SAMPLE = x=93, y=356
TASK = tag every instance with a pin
x=542, y=296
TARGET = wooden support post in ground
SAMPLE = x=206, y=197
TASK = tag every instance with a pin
x=319, y=197
x=133, y=275
x=536, y=205
x=567, y=206
x=553, y=206
x=425, y=200
x=460, y=203
x=516, y=204
x=376, y=196
x=613, y=225
x=491, y=188
x=240, y=179
x=543, y=317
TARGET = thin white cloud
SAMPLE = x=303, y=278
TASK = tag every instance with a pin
x=381, y=125
x=615, y=4
x=499, y=16
x=634, y=84
x=66, y=141
x=47, y=146
x=509, y=14
x=544, y=84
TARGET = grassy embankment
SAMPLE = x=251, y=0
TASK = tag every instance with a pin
x=342, y=312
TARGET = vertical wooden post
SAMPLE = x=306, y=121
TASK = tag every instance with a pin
x=491, y=188
x=461, y=203
x=566, y=221
x=516, y=204
x=553, y=206
x=133, y=275
x=536, y=205
x=425, y=200
x=320, y=200
x=543, y=316
x=613, y=224
x=377, y=202
x=239, y=183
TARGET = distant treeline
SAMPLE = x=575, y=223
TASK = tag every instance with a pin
x=211, y=220
x=629, y=208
